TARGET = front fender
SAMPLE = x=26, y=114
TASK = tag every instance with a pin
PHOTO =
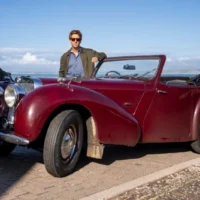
x=114, y=125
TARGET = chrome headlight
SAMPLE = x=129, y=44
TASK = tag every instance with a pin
x=12, y=94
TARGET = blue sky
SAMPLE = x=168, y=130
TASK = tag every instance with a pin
x=34, y=34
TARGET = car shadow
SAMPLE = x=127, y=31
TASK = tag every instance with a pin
x=15, y=166
x=115, y=152
x=20, y=162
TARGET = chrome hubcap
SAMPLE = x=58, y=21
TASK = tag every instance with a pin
x=68, y=144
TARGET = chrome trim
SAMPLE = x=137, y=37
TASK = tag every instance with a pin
x=68, y=84
x=18, y=92
x=69, y=142
x=161, y=92
x=11, y=115
x=1, y=91
x=37, y=82
x=75, y=78
x=11, y=138
x=61, y=80
x=127, y=103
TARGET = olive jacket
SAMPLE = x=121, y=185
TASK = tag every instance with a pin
x=86, y=57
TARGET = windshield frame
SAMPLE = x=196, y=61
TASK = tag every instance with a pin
x=148, y=57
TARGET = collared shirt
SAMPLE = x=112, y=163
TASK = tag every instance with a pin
x=75, y=67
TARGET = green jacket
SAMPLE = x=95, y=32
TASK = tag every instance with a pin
x=86, y=57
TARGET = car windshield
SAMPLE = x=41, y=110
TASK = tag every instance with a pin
x=140, y=68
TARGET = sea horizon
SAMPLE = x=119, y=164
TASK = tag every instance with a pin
x=56, y=75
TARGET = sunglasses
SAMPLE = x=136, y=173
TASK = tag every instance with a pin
x=77, y=39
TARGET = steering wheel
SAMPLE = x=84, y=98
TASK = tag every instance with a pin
x=195, y=80
x=113, y=72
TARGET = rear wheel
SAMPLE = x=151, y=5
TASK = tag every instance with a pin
x=63, y=143
x=6, y=148
x=196, y=146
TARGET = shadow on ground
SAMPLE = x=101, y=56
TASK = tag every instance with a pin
x=20, y=162
x=113, y=153
x=16, y=165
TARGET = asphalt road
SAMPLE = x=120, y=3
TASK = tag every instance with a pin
x=23, y=175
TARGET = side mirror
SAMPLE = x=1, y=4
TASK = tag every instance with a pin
x=129, y=67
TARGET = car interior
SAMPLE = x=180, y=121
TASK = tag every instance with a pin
x=181, y=80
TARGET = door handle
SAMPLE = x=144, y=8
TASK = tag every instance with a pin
x=161, y=92
x=127, y=103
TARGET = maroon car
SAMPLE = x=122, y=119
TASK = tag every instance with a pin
x=127, y=100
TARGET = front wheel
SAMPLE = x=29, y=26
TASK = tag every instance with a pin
x=63, y=143
x=6, y=148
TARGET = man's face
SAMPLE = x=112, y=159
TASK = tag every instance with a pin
x=75, y=40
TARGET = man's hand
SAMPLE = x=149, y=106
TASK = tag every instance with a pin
x=94, y=59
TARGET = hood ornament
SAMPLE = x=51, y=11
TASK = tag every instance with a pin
x=61, y=80
x=75, y=78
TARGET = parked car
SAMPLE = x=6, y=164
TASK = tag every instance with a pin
x=5, y=80
x=126, y=101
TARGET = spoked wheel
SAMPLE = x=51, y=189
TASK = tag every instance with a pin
x=6, y=148
x=63, y=143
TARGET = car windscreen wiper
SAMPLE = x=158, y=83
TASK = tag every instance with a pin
x=129, y=75
x=142, y=75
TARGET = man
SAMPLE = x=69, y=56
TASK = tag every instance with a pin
x=78, y=61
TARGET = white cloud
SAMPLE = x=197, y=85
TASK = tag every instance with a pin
x=183, y=64
x=11, y=50
x=27, y=58
x=168, y=59
x=17, y=60
x=183, y=58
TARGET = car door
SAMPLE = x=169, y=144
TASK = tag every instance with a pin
x=169, y=116
x=125, y=79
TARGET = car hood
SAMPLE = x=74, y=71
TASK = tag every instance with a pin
x=99, y=84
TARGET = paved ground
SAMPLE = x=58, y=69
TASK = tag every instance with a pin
x=183, y=185
x=23, y=175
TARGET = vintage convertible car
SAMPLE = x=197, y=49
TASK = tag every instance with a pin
x=127, y=100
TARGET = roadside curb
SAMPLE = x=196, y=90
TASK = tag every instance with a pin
x=119, y=189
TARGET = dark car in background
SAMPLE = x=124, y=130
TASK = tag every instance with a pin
x=5, y=80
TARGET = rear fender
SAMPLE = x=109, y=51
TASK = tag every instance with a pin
x=195, y=125
x=114, y=125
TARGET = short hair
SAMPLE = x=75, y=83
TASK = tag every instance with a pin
x=75, y=32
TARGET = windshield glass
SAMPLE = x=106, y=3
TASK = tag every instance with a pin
x=140, y=68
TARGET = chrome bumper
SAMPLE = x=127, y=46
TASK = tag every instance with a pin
x=11, y=138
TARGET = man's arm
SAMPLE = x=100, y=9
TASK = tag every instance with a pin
x=99, y=55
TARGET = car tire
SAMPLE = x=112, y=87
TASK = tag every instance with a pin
x=6, y=148
x=63, y=143
x=196, y=146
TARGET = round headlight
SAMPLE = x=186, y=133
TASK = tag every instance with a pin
x=11, y=95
